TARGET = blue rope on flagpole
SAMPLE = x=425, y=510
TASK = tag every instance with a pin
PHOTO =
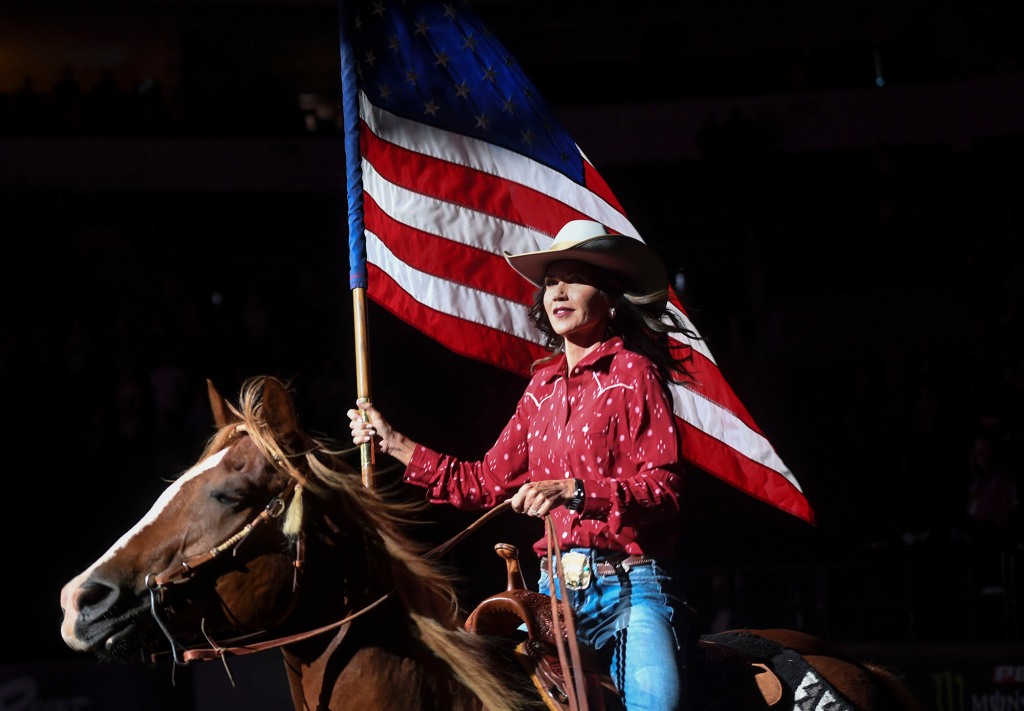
x=353, y=166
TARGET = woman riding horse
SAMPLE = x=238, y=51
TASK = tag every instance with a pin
x=593, y=445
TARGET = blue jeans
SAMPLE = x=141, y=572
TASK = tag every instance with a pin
x=635, y=622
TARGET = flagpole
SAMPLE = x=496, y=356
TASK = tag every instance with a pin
x=356, y=237
x=366, y=458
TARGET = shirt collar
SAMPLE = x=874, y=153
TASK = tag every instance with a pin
x=592, y=360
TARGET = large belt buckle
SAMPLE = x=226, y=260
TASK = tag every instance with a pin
x=576, y=569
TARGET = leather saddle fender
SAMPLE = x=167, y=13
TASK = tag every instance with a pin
x=508, y=612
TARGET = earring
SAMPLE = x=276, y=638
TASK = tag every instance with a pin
x=611, y=312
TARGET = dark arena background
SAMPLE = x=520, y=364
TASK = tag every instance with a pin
x=836, y=187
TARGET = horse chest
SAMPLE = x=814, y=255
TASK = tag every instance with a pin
x=373, y=679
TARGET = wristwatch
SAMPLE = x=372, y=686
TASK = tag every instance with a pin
x=576, y=502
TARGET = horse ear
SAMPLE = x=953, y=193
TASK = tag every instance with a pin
x=221, y=414
x=279, y=410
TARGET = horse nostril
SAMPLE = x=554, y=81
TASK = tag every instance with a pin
x=95, y=597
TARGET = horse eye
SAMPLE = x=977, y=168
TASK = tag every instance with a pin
x=226, y=498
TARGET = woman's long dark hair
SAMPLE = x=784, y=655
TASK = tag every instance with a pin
x=644, y=323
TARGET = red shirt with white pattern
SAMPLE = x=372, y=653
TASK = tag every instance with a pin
x=609, y=423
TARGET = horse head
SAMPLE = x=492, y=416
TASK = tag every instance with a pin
x=220, y=552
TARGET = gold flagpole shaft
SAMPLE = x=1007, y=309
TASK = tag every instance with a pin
x=366, y=455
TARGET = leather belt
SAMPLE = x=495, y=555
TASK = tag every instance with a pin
x=610, y=566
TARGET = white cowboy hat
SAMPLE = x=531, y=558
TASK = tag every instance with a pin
x=629, y=259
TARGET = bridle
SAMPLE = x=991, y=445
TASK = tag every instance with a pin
x=159, y=585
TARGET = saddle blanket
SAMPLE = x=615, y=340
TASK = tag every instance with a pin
x=810, y=691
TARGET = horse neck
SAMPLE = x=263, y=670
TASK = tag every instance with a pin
x=332, y=584
x=356, y=666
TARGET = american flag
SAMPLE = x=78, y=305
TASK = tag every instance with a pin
x=454, y=156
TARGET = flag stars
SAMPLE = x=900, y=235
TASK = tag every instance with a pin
x=378, y=8
x=482, y=121
x=462, y=90
x=470, y=42
x=370, y=58
x=528, y=137
x=411, y=76
x=431, y=108
x=422, y=28
x=489, y=74
x=394, y=44
x=384, y=91
x=449, y=10
x=509, y=106
x=441, y=59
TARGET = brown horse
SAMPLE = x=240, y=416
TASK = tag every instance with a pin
x=271, y=541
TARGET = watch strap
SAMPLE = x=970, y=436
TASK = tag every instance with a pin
x=576, y=502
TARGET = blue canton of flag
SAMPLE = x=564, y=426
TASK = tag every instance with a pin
x=434, y=64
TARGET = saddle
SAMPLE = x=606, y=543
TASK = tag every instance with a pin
x=525, y=618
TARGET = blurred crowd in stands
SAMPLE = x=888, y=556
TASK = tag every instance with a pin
x=110, y=106
x=67, y=108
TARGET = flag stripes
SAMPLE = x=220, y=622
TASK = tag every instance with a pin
x=460, y=161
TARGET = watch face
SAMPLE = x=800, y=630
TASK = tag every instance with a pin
x=576, y=502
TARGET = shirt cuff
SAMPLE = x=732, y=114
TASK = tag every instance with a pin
x=422, y=469
x=597, y=498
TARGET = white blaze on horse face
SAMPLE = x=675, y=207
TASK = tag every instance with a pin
x=158, y=506
x=68, y=599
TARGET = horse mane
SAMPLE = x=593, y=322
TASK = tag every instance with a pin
x=423, y=585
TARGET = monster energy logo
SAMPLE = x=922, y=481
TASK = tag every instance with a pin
x=950, y=693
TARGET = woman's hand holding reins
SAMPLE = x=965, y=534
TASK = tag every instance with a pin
x=537, y=498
